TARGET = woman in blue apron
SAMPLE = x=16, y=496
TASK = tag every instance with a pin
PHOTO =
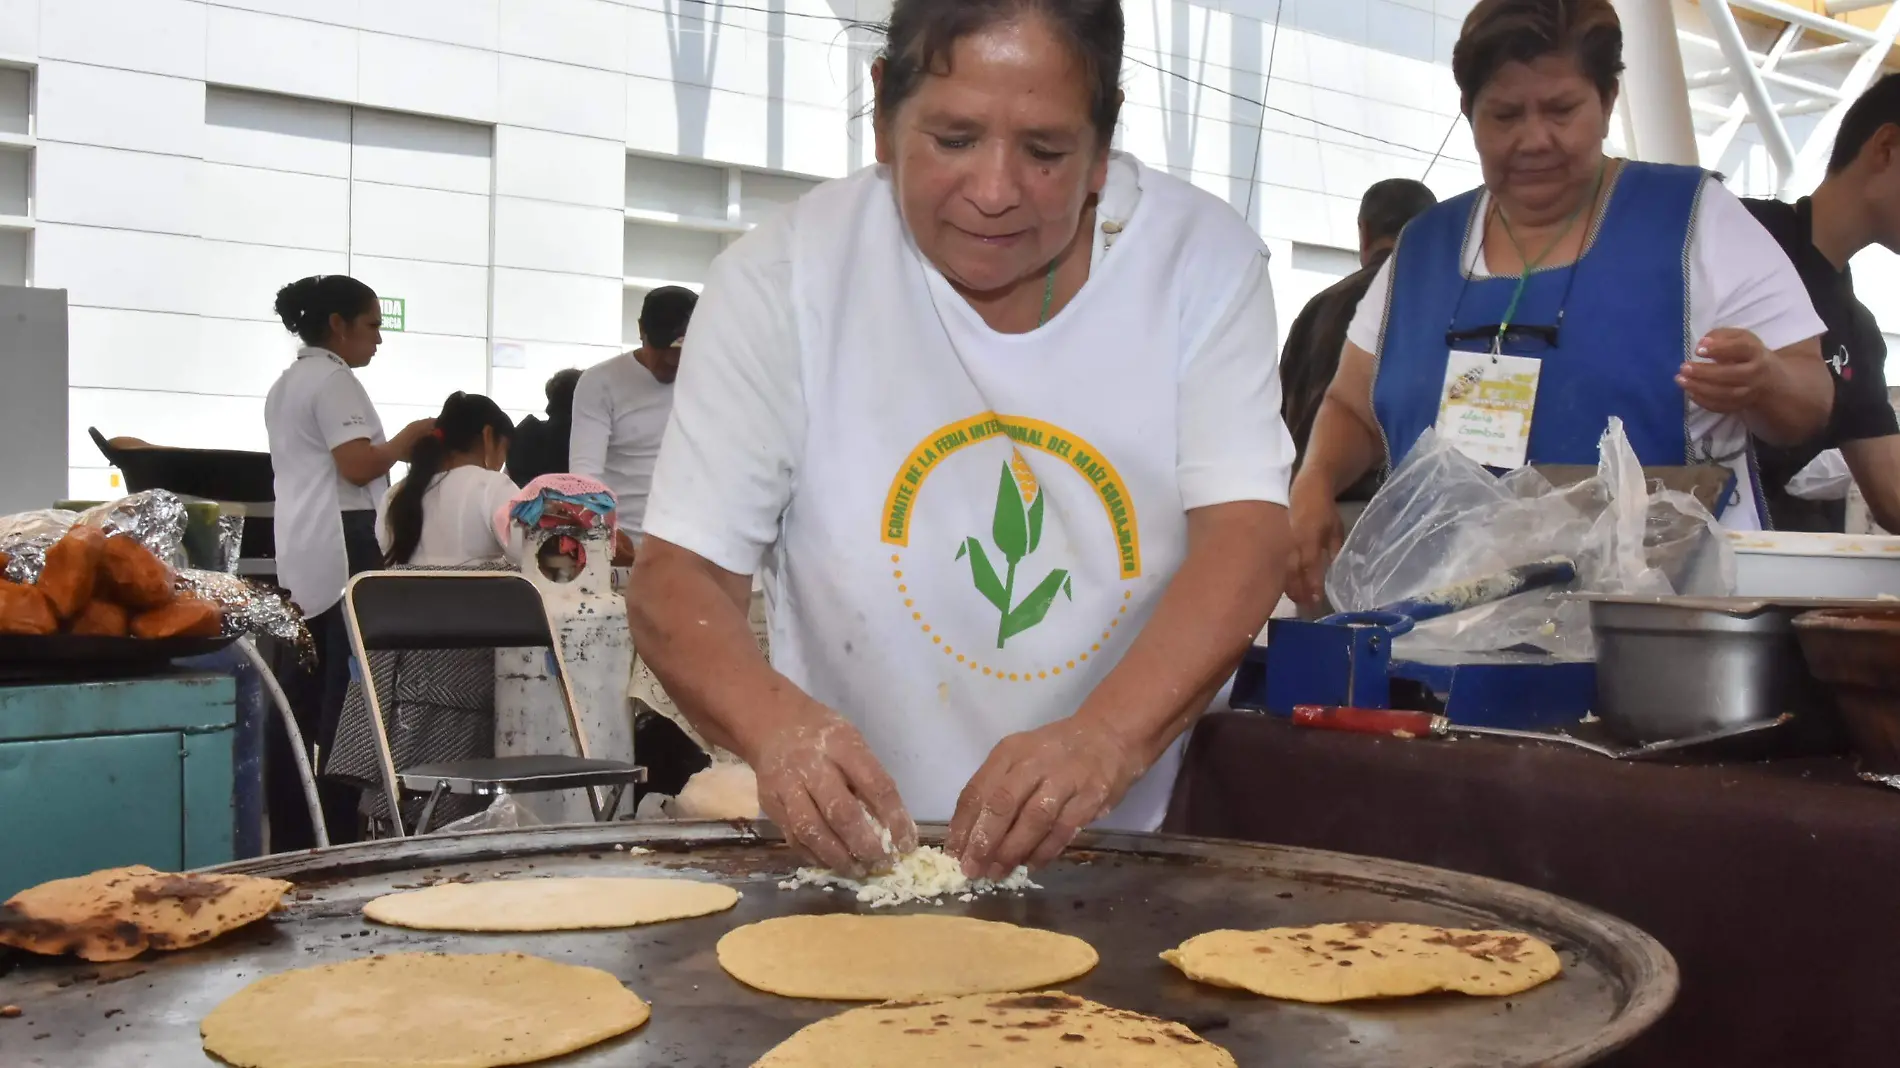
x=1517, y=319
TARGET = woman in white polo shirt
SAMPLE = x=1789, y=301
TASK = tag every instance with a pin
x=331, y=462
x=999, y=418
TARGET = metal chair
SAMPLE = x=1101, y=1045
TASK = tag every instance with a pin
x=396, y=611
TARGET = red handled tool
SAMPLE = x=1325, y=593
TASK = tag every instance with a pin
x=1400, y=723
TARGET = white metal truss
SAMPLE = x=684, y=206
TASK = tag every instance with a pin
x=1798, y=76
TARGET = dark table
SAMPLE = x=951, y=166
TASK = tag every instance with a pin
x=1776, y=885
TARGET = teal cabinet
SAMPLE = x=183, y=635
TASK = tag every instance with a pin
x=104, y=774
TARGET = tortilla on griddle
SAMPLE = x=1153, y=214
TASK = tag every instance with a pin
x=1350, y=961
x=1052, y=1030
x=550, y=904
x=844, y=957
x=440, y=1010
x=118, y=913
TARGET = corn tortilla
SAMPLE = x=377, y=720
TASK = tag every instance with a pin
x=550, y=904
x=1350, y=961
x=421, y=1010
x=1051, y=1030
x=118, y=913
x=844, y=957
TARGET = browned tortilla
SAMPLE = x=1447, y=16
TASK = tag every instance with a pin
x=118, y=913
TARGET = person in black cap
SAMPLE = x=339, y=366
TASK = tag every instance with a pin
x=1856, y=205
x=1318, y=336
x=621, y=408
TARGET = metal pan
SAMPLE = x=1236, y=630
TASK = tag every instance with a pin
x=59, y=656
x=1131, y=896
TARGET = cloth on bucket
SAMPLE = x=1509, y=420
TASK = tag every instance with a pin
x=554, y=502
x=571, y=507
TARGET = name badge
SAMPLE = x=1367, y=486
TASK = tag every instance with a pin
x=1486, y=407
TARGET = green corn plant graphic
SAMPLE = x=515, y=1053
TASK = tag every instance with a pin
x=1017, y=531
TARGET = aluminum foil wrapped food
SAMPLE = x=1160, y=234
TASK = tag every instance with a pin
x=249, y=608
x=230, y=542
x=155, y=517
x=25, y=537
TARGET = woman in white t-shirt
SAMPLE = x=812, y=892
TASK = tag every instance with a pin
x=442, y=514
x=331, y=463
x=1516, y=320
x=999, y=420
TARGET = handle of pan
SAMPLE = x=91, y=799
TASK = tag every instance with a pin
x=1399, y=617
x=1393, y=722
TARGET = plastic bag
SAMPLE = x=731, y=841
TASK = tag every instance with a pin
x=505, y=814
x=1443, y=519
x=727, y=790
x=1825, y=479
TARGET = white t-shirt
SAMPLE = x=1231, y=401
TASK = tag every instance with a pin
x=620, y=413
x=1225, y=452
x=1739, y=278
x=316, y=405
x=458, y=518
x=842, y=419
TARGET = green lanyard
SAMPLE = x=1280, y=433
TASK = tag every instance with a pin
x=1049, y=294
x=1530, y=265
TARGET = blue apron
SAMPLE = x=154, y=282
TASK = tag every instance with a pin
x=1625, y=323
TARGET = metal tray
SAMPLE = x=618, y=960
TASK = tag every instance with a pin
x=78, y=656
x=1131, y=896
x=1735, y=606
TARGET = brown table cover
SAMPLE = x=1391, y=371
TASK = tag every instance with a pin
x=1776, y=885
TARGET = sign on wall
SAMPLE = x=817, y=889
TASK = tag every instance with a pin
x=395, y=310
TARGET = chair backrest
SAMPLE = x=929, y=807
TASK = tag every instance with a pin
x=448, y=610
x=399, y=611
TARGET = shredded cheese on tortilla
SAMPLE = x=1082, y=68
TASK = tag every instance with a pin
x=924, y=874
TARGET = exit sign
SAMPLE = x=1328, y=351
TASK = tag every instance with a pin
x=395, y=310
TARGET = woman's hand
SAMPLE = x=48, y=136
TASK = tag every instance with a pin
x=819, y=782
x=1035, y=792
x=1785, y=395
x=1734, y=372
x=1318, y=532
x=405, y=440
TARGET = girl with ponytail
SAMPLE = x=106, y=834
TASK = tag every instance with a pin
x=442, y=514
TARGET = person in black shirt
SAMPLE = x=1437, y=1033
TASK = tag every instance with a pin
x=1318, y=336
x=540, y=448
x=1856, y=205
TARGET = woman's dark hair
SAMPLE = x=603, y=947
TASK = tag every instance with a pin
x=458, y=429
x=921, y=34
x=306, y=305
x=1501, y=32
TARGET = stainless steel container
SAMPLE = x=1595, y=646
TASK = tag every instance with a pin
x=1673, y=667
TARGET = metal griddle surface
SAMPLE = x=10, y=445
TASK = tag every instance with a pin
x=1131, y=896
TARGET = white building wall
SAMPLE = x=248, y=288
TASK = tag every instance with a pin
x=171, y=269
